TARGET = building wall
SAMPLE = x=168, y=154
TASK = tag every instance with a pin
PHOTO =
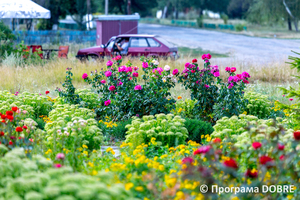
x=107, y=29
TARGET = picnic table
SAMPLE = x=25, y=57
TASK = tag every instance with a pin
x=47, y=53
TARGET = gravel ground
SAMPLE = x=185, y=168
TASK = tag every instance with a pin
x=239, y=47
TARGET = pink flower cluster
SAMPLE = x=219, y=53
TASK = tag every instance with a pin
x=109, y=63
x=239, y=77
x=106, y=103
x=232, y=69
x=125, y=69
x=145, y=65
x=117, y=58
x=206, y=56
x=215, y=71
x=188, y=67
x=159, y=70
x=108, y=73
x=138, y=87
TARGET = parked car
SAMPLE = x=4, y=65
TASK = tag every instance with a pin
x=138, y=45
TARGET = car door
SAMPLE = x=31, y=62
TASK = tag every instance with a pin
x=138, y=47
x=156, y=48
x=109, y=46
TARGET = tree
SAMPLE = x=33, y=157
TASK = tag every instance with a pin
x=6, y=39
x=274, y=11
x=238, y=8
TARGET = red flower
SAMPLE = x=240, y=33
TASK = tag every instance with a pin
x=256, y=145
x=203, y=149
x=14, y=109
x=297, y=135
x=20, y=138
x=10, y=113
x=10, y=143
x=187, y=160
x=19, y=129
x=280, y=146
x=25, y=127
x=47, y=92
x=10, y=117
x=281, y=157
x=232, y=69
x=30, y=139
x=217, y=140
x=265, y=160
x=231, y=163
x=251, y=173
x=194, y=60
x=3, y=117
x=1, y=133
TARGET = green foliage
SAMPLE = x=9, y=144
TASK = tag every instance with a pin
x=258, y=105
x=6, y=40
x=225, y=18
x=196, y=128
x=69, y=95
x=239, y=27
x=61, y=121
x=200, y=21
x=35, y=104
x=167, y=129
x=116, y=131
x=185, y=108
x=36, y=179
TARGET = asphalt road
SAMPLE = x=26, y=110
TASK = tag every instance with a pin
x=237, y=46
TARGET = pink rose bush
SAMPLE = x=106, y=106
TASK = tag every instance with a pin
x=215, y=97
x=120, y=86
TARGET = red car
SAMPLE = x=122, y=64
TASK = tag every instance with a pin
x=136, y=45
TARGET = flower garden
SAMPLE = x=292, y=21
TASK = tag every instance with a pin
x=127, y=137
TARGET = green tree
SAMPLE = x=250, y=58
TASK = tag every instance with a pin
x=273, y=11
x=6, y=40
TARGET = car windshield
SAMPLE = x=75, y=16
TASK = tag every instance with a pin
x=165, y=42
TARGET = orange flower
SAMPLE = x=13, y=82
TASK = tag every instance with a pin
x=179, y=97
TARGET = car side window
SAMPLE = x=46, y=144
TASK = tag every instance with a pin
x=111, y=44
x=138, y=42
x=153, y=43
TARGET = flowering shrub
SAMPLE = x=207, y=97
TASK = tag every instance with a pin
x=231, y=99
x=34, y=104
x=258, y=105
x=63, y=121
x=36, y=179
x=202, y=84
x=253, y=166
x=118, y=88
x=167, y=129
x=214, y=101
x=16, y=130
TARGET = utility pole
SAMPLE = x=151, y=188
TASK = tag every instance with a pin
x=106, y=7
x=129, y=7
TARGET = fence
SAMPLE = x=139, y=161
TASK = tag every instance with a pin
x=55, y=37
x=189, y=24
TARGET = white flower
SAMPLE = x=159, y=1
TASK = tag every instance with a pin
x=75, y=121
x=167, y=68
x=66, y=133
x=155, y=62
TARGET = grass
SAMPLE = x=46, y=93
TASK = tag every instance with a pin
x=38, y=78
x=197, y=52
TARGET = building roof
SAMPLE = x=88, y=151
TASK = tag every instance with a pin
x=118, y=17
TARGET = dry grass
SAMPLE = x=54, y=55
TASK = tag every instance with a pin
x=49, y=76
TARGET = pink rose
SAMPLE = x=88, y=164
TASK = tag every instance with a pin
x=122, y=69
x=217, y=74
x=232, y=69
x=206, y=86
x=230, y=85
x=175, y=71
x=84, y=76
x=103, y=81
x=129, y=69
x=291, y=99
x=227, y=69
x=135, y=74
x=112, y=88
x=60, y=156
x=109, y=63
x=120, y=83
x=138, y=87
x=187, y=65
x=135, y=68
x=245, y=75
x=106, y=103
x=145, y=65
x=246, y=81
x=107, y=73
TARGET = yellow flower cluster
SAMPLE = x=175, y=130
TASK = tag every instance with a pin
x=45, y=118
x=109, y=149
x=48, y=151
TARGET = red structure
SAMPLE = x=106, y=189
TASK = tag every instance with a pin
x=113, y=25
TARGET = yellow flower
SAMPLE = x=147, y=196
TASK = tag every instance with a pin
x=109, y=149
x=94, y=172
x=84, y=146
x=180, y=195
x=90, y=164
x=161, y=168
x=235, y=198
x=139, y=188
x=145, y=198
x=128, y=186
x=245, y=113
x=86, y=153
